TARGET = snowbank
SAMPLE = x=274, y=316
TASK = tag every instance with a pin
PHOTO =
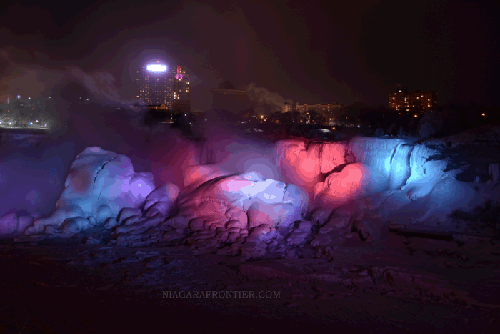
x=99, y=184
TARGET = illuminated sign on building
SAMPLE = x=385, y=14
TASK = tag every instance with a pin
x=156, y=68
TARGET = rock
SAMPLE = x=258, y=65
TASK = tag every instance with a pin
x=198, y=175
x=213, y=224
x=9, y=224
x=297, y=197
x=321, y=240
x=259, y=214
x=235, y=213
x=24, y=223
x=100, y=177
x=305, y=226
x=332, y=155
x=132, y=220
x=163, y=207
x=349, y=235
x=126, y=213
x=56, y=219
x=280, y=215
x=142, y=224
x=299, y=164
x=102, y=214
x=222, y=236
x=297, y=238
x=395, y=226
x=253, y=249
x=358, y=226
x=196, y=205
x=320, y=217
x=111, y=222
x=233, y=236
x=173, y=235
x=236, y=224
x=92, y=241
x=340, y=188
x=258, y=233
x=165, y=193
x=177, y=222
x=74, y=225
x=196, y=224
x=227, y=198
x=335, y=223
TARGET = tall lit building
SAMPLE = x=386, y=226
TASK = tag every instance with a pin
x=412, y=102
x=153, y=84
x=181, y=93
x=159, y=86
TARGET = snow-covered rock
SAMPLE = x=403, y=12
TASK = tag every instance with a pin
x=9, y=224
x=56, y=219
x=332, y=155
x=197, y=175
x=161, y=199
x=297, y=163
x=74, y=225
x=425, y=172
x=388, y=158
x=339, y=188
x=246, y=198
x=96, y=178
x=320, y=217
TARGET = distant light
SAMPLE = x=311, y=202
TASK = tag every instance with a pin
x=31, y=123
x=483, y=114
x=19, y=96
x=45, y=125
x=37, y=120
x=156, y=68
x=415, y=115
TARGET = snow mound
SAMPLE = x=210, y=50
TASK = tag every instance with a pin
x=99, y=184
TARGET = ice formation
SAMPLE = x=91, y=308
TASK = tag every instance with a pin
x=320, y=190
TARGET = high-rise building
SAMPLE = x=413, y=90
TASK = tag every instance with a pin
x=181, y=93
x=153, y=84
x=158, y=86
x=412, y=102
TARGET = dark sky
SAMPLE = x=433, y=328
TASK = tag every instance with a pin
x=309, y=52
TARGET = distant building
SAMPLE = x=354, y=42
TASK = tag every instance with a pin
x=153, y=83
x=412, y=102
x=163, y=88
x=226, y=97
x=25, y=113
x=181, y=92
x=320, y=108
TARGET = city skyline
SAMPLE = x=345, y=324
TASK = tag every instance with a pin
x=319, y=53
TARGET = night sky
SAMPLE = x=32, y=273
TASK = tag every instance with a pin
x=309, y=52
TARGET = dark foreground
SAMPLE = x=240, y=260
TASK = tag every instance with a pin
x=403, y=285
